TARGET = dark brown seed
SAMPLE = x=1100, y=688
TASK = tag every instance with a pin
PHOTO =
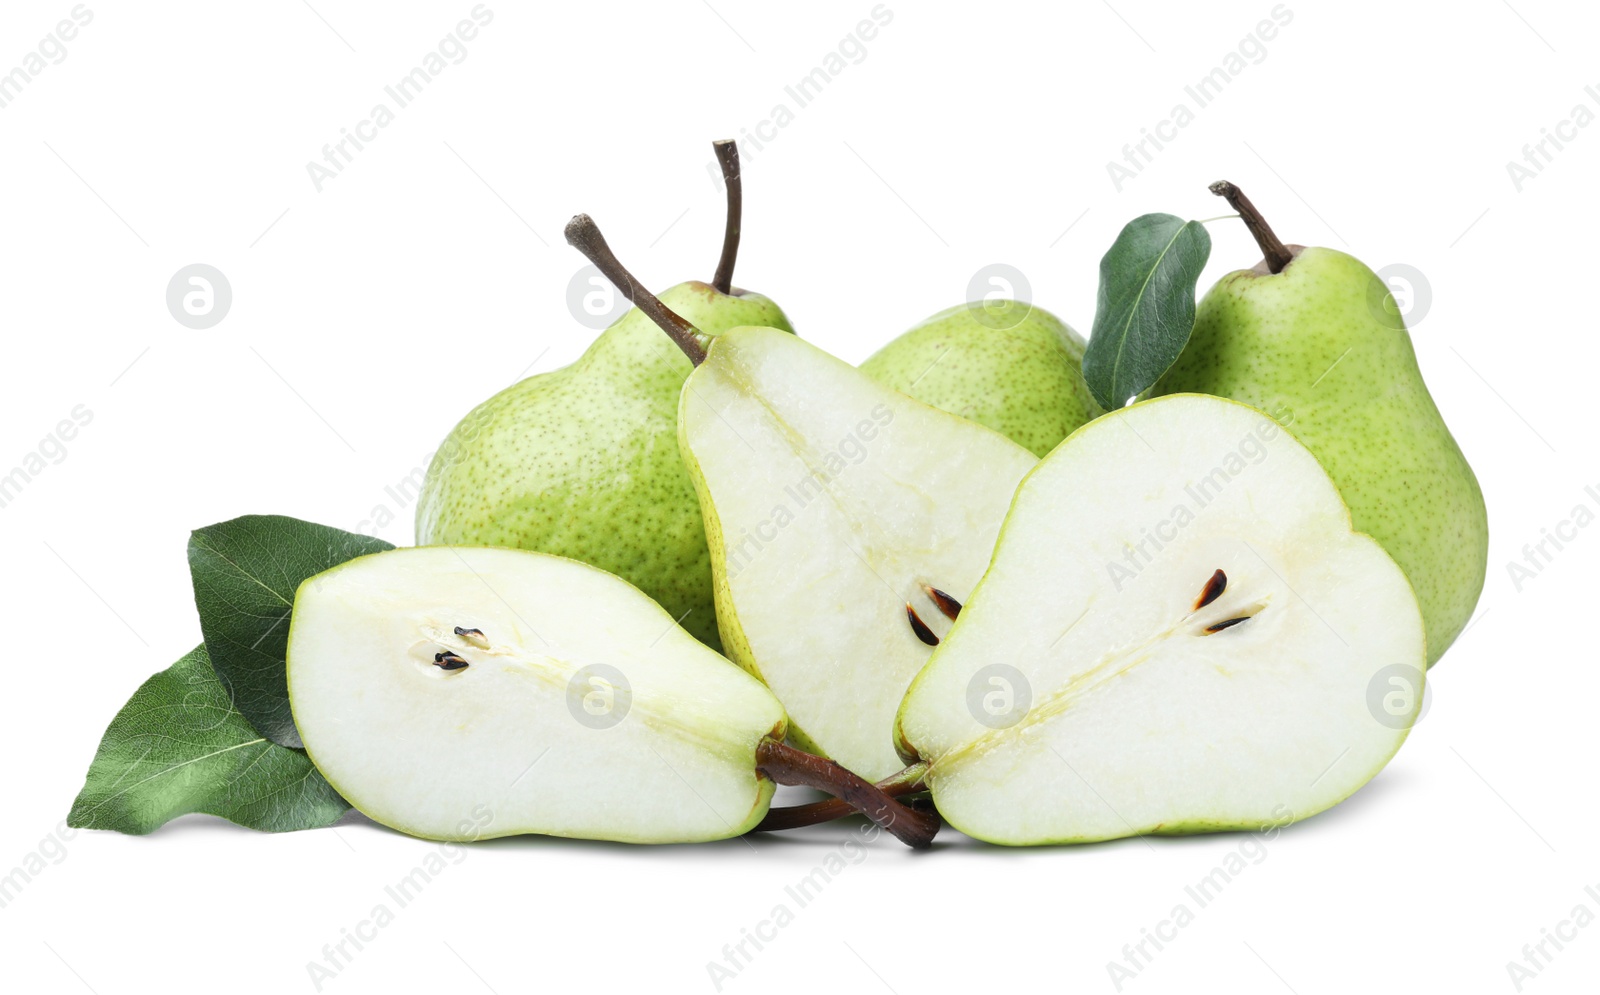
x=1230, y=623
x=473, y=636
x=920, y=628
x=944, y=602
x=448, y=661
x=1213, y=590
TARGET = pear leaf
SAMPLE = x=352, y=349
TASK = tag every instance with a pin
x=1146, y=306
x=245, y=573
x=179, y=746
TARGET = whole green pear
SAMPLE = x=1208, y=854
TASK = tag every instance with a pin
x=1321, y=345
x=1007, y=365
x=583, y=462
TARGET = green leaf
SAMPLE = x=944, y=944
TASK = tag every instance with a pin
x=245, y=573
x=178, y=746
x=1146, y=307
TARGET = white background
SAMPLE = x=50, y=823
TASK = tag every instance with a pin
x=369, y=317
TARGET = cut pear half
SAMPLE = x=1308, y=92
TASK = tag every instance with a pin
x=468, y=693
x=507, y=692
x=1179, y=632
x=846, y=521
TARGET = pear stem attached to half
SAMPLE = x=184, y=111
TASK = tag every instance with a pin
x=728, y=157
x=1276, y=254
x=787, y=765
x=897, y=785
x=584, y=235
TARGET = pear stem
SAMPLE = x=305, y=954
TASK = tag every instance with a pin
x=584, y=235
x=1277, y=256
x=728, y=157
x=787, y=765
x=899, y=785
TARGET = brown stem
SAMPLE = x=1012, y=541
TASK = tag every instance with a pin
x=584, y=235
x=1277, y=256
x=906, y=782
x=787, y=765
x=728, y=156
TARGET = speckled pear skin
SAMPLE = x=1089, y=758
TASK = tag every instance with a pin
x=1024, y=381
x=583, y=462
x=1322, y=346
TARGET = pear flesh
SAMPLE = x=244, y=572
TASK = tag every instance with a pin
x=1007, y=365
x=473, y=693
x=1322, y=346
x=1180, y=632
x=846, y=521
x=583, y=461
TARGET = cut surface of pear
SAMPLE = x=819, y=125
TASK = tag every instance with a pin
x=1322, y=345
x=1179, y=632
x=583, y=462
x=846, y=522
x=1008, y=365
x=462, y=693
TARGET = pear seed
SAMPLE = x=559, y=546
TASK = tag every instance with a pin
x=944, y=602
x=1230, y=623
x=1213, y=590
x=473, y=636
x=448, y=661
x=920, y=628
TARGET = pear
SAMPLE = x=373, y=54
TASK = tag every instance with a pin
x=1180, y=632
x=469, y=693
x=1314, y=336
x=583, y=461
x=1005, y=364
x=847, y=521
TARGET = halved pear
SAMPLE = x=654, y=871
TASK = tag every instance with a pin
x=846, y=521
x=1180, y=632
x=468, y=693
x=459, y=693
